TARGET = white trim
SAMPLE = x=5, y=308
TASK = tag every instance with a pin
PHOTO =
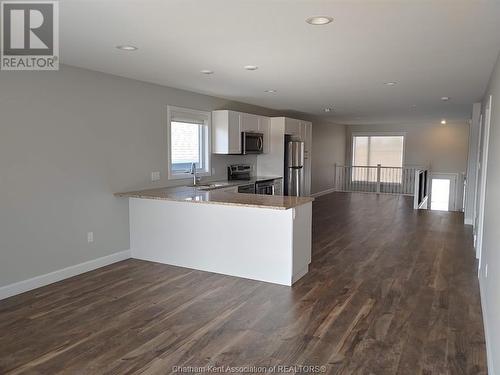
x=52, y=277
x=187, y=114
x=424, y=204
x=472, y=165
x=324, y=192
x=484, y=308
x=378, y=134
x=478, y=182
x=483, y=182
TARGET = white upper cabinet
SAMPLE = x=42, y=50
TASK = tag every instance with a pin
x=292, y=127
x=227, y=127
x=226, y=132
x=265, y=128
x=306, y=134
x=249, y=122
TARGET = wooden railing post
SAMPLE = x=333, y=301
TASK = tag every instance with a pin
x=335, y=177
x=379, y=166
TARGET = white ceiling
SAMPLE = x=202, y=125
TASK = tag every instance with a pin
x=431, y=48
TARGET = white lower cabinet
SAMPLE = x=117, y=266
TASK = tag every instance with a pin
x=158, y=235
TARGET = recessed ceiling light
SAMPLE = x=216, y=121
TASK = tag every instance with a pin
x=207, y=71
x=251, y=67
x=328, y=110
x=319, y=20
x=271, y=91
x=127, y=47
x=390, y=83
x=445, y=98
x=443, y=122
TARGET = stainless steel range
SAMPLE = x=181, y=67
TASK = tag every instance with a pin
x=256, y=185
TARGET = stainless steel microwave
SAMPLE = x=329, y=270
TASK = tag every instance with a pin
x=252, y=143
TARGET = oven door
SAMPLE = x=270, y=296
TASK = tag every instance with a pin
x=247, y=189
x=264, y=189
x=252, y=143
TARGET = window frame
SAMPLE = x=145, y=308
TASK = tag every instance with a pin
x=188, y=115
x=378, y=134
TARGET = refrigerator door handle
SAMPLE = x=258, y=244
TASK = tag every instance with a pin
x=298, y=191
x=295, y=181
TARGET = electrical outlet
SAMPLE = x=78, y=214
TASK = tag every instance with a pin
x=486, y=271
x=90, y=237
x=155, y=176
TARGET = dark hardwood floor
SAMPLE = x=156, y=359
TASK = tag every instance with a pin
x=390, y=291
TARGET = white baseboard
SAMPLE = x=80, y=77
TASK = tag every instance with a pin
x=52, y=277
x=468, y=221
x=484, y=308
x=324, y=192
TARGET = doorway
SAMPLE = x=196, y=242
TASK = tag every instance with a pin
x=440, y=194
x=443, y=191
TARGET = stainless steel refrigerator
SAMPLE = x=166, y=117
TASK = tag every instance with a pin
x=294, y=167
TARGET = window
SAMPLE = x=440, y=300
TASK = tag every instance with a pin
x=188, y=141
x=377, y=149
x=371, y=150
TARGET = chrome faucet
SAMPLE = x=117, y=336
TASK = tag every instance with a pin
x=193, y=172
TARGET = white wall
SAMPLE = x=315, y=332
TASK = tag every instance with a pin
x=442, y=148
x=328, y=148
x=68, y=140
x=491, y=236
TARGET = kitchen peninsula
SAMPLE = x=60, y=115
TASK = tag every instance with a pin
x=258, y=237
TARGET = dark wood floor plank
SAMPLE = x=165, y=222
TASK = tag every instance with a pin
x=390, y=291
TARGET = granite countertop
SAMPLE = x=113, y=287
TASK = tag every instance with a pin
x=217, y=196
